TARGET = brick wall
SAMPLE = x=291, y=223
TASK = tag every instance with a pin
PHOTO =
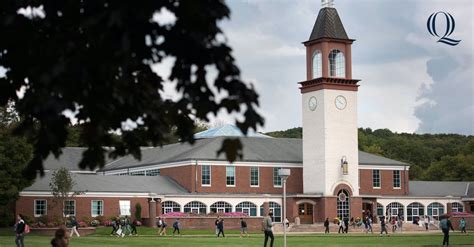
x=183, y=175
x=386, y=183
x=469, y=222
x=25, y=206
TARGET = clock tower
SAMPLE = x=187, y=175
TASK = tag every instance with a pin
x=329, y=101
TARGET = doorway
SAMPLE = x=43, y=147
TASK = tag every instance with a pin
x=305, y=212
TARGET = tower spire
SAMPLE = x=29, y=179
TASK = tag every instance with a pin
x=327, y=3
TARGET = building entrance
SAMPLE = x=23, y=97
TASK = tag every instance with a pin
x=305, y=212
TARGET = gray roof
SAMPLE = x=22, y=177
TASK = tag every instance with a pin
x=271, y=150
x=328, y=25
x=125, y=184
x=70, y=158
x=438, y=188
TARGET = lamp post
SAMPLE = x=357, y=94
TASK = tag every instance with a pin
x=284, y=174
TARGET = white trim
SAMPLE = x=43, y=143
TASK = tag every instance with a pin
x=258, y=177
x=92, y=209
x=210, y=176
x=45, y=207
x=376, y=188
x=384, y=167
x=305, y=201
x=91, y=194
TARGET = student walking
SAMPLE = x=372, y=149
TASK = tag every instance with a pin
x=267, y=225
x=326, y=225
x=341, y=226
x=243, y=228
x=400, y=224
x=445, y=225
x=426, y=220
x=346, y=225
x=74, y=226
x=369, y=225
x=220, y=227
x=176, y=227
x=216, y=223
x=134, y=227
x=462, y=225
x=163, y=227
x=127, y=228
x=20, y=231
x=383, y=226
x=115, y=224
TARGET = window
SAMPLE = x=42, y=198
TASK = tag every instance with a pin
x=435, y=210
x=276, y=209
x=247, y=208
x=97, y=208
x=379, y=209
x=337, y=66
x=376, y=178
x=317, y=64
x=276, y=177
x=415, y=210
x=170, y=206
x=125, y=208
x=152, y=172
x=343, y=205
x=230, y=175
x=69, y=208
x=206, y=175
x=195, y=207
x=254, y=176
x=221, y=207
x=396, y=179
x=137, y=173
x=41, y=208
x=395, y=209
x=456, y=207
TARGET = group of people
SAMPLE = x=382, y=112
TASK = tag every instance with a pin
x=219, y=224
x=122, y=227
x=161, y=225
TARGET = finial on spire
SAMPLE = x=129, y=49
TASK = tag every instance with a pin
x=327, y=3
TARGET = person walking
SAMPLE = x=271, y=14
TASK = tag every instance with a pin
x=346, y=225
x=216, y=223
x=243, y=228
x=220, y=227
x=20, y=231
x=326, y=226
x=176, y=227
x=267, y=225
x=383, y=226
x=60, y=238
x=462, y=225
x=341, y=226
x=369, y=225
x=127, y=229
x=400, y=224
x=445, y=225
x=426, y=220
x=114, y=227
x=134, y=227
x=74, y=226
x=159, y=222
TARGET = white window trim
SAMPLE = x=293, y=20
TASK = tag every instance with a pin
x=258, y=177
x=380, y=180
x=92, y=208
x=235, y=178
x=129, y=209
x=399, y=178
x=45, y=209
x=64, y=205
x=210, y=177
x=273, y=179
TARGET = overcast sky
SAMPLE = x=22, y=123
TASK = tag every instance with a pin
x=410, y=82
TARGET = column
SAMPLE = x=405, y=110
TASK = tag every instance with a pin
x=348, y=60
x=151, y=213
x=266, y=209
x=325, y=58
x=159, y=208
x=449, y=208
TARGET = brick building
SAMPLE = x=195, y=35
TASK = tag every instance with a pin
x=329, y=177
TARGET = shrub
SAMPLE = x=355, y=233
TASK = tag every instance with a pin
x=138, y=211
x=28, y=219
x=43, y=219
x=82, y=224
x=86, y=219
x=101, y=219
x=95, y=223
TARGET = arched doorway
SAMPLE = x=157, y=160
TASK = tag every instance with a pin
x=305, y=212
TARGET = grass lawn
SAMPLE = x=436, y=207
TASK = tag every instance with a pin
x=196, y=238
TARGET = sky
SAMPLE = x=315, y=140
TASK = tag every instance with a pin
x=409, y=81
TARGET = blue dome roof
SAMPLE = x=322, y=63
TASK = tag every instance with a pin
x=227, y=130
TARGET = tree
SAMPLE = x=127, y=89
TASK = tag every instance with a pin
x=62, y=185
x=138, y=211
x=94, y=58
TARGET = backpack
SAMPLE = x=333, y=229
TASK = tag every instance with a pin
x=27, y=228
x=175, y=224
x=443, y=224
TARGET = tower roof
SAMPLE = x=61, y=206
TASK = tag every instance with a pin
x=328, y=25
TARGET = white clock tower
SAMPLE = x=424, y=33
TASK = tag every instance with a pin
x=329, y=101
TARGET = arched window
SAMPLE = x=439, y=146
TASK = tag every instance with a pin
x=457, y=207
x=415, y=210
x=275, y=208
x=195, y=207
x=317, y=64
x=435, y=209
x=337, y=64
x=343, y=210
x=170, y=206
x=395, y=209
x=247, y=208
x=221, y=207
x=379, y=209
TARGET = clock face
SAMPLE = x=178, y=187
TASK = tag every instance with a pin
x=312, y=103
x=340, y=102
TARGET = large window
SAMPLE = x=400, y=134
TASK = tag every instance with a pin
x=435, y=210
x=317, y=64
x=456, y=207
x=125, y=208
x=276, y=209
x=137, y=173
x=221, y=207
x=206, y=175
x=152, y=172
x=230, y=175
x=395, y=209
x=247, y=208
x=343, y=210
x=254, y=176
x=376, y=178
x=69, y=207
x=195, y=207
x=97, y=208
x=276, y=177
x=337, y=64
x=379, y=209
x=41, y=208
x=170, y=206
x=396, y=179
x=415, y=210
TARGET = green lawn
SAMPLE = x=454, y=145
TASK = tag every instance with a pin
x=190, y=238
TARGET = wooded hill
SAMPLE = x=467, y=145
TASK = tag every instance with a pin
x=447, y=157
